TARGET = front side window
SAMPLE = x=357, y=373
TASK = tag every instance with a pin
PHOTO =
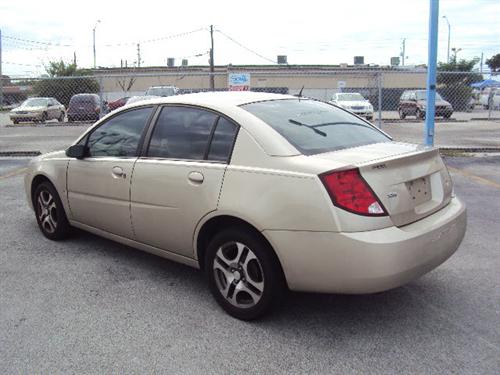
x=314, y=127
x=182, y=133
x=120, y=135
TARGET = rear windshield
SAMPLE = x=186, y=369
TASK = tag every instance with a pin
x=161, y=91
x=315, y=127
x=87, y=99
x=422, y=95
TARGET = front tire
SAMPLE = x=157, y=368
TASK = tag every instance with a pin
x=49, y=211
x=420, y=114
x=44, y=117
x=244, y=275
x=402, y=115
x=61, y=117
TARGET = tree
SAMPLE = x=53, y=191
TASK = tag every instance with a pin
x=494, y=63
x=64, y=81
x=454, y=80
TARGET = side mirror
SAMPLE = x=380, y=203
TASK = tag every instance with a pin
x=77, y=151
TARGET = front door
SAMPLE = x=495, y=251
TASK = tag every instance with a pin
x=99, y=184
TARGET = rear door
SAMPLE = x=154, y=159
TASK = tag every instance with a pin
x=99, y=185
x=178, y=179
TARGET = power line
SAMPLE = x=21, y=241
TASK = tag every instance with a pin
x=20, y=64
x=246, y=48
x=53, y=44
x=37, y=42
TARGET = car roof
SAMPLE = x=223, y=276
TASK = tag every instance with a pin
x=217, y=99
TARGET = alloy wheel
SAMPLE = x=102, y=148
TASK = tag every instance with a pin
x=238, y=275
x=47, y=211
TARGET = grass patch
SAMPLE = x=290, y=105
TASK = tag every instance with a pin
x=456, y=153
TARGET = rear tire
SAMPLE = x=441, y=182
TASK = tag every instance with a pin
x=243, y=273
x=420, y=115
x=49, y=212
x=15, y=121
x=44, y=117
x=61, y=117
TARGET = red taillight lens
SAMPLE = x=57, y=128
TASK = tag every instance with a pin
x=350, y=191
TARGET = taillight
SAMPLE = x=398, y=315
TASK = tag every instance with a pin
x=349, y=191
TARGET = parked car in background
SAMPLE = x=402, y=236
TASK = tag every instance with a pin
x=84, y=107
x=162, y=91
x=38, y=109
x=413, y=103
x=262, y=191
x=354, y=102
x=118, y=103
x=140, y=98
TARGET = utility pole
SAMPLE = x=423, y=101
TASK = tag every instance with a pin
x=1, y=76
x=431, y=72
x=74, y=58
x=403, y=52
x=138, y=55
x=212, y=78
x=481, y=64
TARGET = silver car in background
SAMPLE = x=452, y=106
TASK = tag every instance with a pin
x=355, y=103
x=38, y=110
x=263, y=192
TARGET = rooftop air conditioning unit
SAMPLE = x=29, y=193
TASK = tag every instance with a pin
x=282, y=59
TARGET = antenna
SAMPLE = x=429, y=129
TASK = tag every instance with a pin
x=300, y=92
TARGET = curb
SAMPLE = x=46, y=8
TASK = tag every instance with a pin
x=470, y=149
x=49, y=125
x=19, y=153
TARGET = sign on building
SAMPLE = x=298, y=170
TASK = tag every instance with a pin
x=239, y=81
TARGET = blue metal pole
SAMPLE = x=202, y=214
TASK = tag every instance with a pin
x=431, y=71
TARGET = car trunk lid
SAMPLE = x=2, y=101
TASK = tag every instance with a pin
x=410, y=181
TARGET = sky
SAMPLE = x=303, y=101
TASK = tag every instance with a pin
x=249, y=32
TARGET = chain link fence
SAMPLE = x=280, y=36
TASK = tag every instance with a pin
x=381, y=95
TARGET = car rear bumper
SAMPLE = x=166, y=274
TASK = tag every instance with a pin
x=372, y=261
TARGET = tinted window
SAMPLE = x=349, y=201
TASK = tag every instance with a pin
x=120, y=135
x=84, y=99
x=222, y=141
x=314, y=127
x=181, y=133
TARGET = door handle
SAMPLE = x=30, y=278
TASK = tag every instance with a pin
x=118, y=172
x=196, y=177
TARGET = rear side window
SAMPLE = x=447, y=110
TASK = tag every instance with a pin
x=182, y=133
x=315, y=127
x=120, y=135
x=222, y=141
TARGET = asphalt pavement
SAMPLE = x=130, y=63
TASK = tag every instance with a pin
x=89, y=305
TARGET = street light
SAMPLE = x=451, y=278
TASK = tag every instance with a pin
x=449, y=32
x=455, y=52
x=93, y=33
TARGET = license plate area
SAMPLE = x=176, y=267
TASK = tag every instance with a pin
x=419, y=190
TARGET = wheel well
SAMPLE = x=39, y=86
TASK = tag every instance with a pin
x=37, y=181
x=215, y=225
